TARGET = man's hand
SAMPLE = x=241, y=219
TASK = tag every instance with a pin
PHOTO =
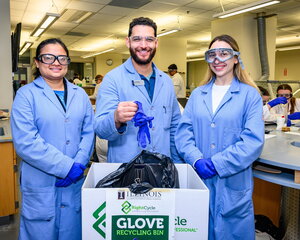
x=125, y=112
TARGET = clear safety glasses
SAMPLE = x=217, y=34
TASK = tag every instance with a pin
x=138, y=39
x=222, y=54
x=50, y=59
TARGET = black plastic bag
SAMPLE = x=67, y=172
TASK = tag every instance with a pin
x=146, y=171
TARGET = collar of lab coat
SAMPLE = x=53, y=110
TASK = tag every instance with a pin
x=159, y=82
x=207, y=90
x=40, y=82
x=234, y=86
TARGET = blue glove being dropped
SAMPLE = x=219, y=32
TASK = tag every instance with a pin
x=142, y=121
x=276, y=101
x=75, y=173
x=205, y=168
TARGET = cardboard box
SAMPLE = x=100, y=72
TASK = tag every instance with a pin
x=191, y=206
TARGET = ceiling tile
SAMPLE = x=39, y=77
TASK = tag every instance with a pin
x=85, y=6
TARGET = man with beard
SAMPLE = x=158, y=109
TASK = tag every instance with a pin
x=138, y=79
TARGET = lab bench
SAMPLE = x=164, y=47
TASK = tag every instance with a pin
x=281, y=154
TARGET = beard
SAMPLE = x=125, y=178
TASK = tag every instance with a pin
x=140, y=61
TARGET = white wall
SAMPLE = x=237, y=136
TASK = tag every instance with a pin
x=196, y=72
x=101, y=66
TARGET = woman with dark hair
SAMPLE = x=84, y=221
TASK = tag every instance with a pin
x=52, y=129
x=264, y=94
x=221, y=133
x=285, y=104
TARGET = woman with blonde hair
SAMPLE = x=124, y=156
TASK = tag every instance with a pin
x=221, y=133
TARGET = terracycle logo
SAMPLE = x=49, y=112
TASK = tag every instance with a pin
x=100, y=224
x=126, y=207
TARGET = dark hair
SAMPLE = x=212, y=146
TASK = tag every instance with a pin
x=43, y=44
x=284, y=87
x=76, y=75
x=263, y=91
x=292, y=99
x=98, y=76
x=142, y=21
x=173, y=67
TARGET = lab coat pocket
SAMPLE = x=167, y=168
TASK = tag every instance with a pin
x=167, y=117
x=38, y=203
x=231, y=136
x=236, y=203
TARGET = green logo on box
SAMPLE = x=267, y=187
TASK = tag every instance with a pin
x=126, y=207
x=141, y=227
x=100, y=223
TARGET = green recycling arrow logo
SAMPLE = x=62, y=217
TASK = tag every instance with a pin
x=100, y=220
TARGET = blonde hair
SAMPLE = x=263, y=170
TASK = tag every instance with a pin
x=238, y=72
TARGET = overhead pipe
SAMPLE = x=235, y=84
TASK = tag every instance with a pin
x=262, y=46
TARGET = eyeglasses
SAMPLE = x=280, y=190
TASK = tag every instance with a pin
x=138, y=39
x=286, y=95
x=222, y=54
x=50, y=59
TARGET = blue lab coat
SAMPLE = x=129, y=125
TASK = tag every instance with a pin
x=233, y=138
x=49, y=140
x=124, y=84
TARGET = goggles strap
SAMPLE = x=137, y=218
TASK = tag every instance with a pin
x=241, y=62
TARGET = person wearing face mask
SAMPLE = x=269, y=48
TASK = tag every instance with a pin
x=52, y=130
x=138, y=79
x=221, y=133
x=285, y=104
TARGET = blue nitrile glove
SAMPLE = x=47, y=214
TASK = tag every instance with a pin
x=65, y=182
x=276, y=101
x=294, y=116
x=205, y=168
x=75, y=173
x=141, y=120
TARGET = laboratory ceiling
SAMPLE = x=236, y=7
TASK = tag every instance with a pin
x=107, y=24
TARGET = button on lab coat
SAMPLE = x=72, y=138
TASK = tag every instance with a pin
x=49, y=140
x=124, y=84
x=233, y=138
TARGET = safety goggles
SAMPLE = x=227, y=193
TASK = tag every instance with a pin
x=287, y=95
x=50, y=59
x=222, y=54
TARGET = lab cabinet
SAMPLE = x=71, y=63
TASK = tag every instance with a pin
x=8, y=179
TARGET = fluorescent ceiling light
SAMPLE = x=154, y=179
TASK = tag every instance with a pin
x=245, y=8
x=168, y=32
x=288, y=48
x=46, y=22
x=97, y=53
x=25, y=46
